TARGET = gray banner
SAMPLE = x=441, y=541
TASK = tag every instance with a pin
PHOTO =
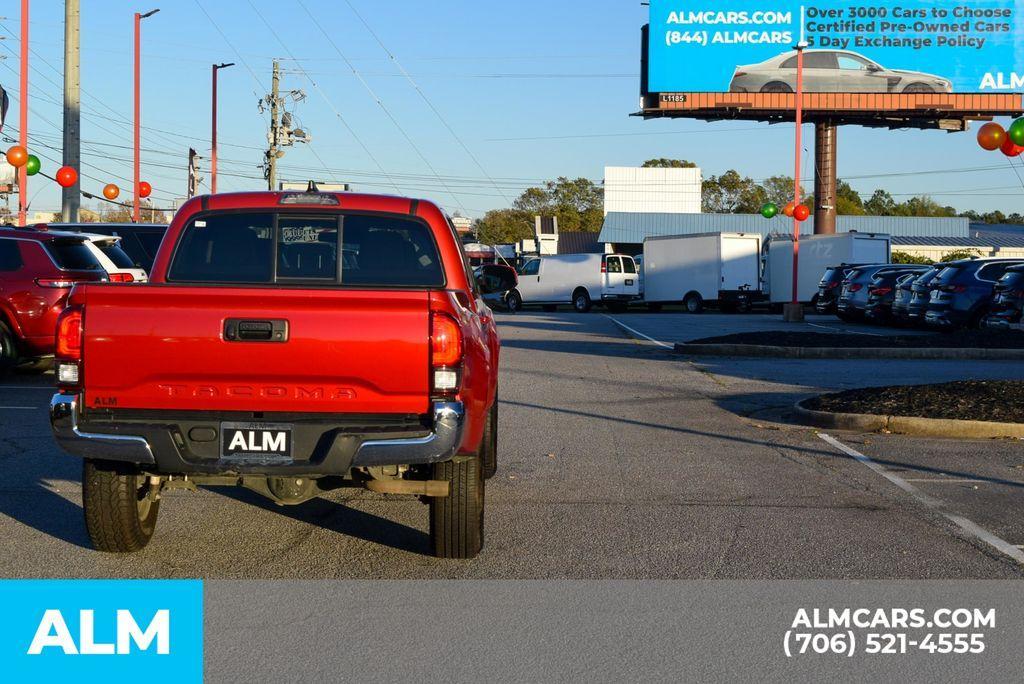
x=533, y=631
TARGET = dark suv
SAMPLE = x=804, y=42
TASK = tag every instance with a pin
x=829, y=287
x=921, y=293
x=884, y=289
x=37, y=271
x=853, y=298
x=963, y=291
x=1007, y=300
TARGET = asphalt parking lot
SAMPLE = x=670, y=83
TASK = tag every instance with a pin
x=618, y=459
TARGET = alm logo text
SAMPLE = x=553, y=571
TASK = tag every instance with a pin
x=53, y=633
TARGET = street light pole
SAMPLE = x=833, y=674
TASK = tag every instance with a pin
x=23, y=117
x=137, y=143
x=213, y=129
x=794, y=311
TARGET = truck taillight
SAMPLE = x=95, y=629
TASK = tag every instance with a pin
x=446, y=351
x=122, y=278
x=68, y=352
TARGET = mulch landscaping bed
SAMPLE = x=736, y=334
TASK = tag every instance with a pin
x=1000, y=401
x=964, y=339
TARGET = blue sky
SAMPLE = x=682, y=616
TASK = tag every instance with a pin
x=534, y=90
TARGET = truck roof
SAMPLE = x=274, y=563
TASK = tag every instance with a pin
x=297, y=199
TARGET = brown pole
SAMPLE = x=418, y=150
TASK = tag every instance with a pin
x=825, y=178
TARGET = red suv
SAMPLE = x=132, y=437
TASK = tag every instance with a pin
x=37, y=271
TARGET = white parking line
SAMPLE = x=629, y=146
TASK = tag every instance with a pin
x=939, y=480
x=27, y=387
x=843, y=330
x=638, y=333
x=967, y=526
x=20, y=408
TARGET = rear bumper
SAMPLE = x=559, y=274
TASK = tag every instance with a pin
x=620, y=297
x=161, y=446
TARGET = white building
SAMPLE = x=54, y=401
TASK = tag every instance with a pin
x=656, y=191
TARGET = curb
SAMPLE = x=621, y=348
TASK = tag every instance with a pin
x=910, y=425
x=849, y=352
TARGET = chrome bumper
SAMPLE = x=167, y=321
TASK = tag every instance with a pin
x=440, y=445
x=64, y=421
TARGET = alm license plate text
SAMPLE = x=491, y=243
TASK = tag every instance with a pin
x=255, y=440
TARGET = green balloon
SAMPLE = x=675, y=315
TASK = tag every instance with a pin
x=769, y=210
x=32, y=165
x=1016, y=132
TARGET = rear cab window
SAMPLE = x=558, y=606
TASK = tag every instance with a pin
x=72, y=254
x=344, y=249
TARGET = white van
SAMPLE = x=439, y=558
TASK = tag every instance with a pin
x=577, y=279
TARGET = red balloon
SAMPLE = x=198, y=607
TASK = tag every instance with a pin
x=17, y=156
x=145, y=189
x=66, y=176
x=111, y=191
x=789, y=209
x=801, y=212
x=991, y=136
x=1010, y=148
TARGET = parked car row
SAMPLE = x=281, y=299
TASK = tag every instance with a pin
x=946, y=296
x=38, y=268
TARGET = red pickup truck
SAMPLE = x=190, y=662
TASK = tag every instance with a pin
x=291, y=343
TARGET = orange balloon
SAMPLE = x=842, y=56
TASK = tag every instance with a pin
x=111, y=191
x=1010, y=148
x=801, y=212
x=17, y=156
x=789, y=209
x=991, y=136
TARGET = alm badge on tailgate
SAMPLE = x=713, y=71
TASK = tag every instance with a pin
x=255, y=440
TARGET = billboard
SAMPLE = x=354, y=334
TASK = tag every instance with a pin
x=879, y=47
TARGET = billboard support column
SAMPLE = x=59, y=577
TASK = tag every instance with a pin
x=794, y=311
x=825, y=133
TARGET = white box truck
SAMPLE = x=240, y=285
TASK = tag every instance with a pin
x=705, y=268
x=577, y=279
x=817, y=253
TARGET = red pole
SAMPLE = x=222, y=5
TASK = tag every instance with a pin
x=23, y=117
x=796, y=174
x=137, y=143
x=213, y=137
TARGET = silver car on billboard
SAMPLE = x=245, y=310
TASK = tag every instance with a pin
x=832, y=71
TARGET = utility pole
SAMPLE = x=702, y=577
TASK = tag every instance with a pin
x=23, y=117
x=275, y=127
x=281, y=133
x=193, y=173
x=71, y=197
x=213, y=128
x=136, y=166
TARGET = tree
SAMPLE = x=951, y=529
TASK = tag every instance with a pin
x=732, y=193
x=779, y=190
x=906, y=258
x=578, y=204
x=848, y=202
x=663, y=163
x=503, y=226
x=958, y=254
x=880, y=204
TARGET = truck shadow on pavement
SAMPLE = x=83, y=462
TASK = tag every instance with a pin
x=35, y=504
x=336, y=517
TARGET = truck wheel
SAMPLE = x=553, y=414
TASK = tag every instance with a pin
x=693, y=303
x=514, y=301
x=119, y=515
x=457, y=520
x=581, y=300
x=8, y=349
x=489, y=446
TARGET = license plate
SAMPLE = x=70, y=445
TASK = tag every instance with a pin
x=629, y=281
x=255, y=440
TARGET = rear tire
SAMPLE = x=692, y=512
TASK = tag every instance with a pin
x=489, y=446
x=119, y=515
x=693, y=303
x=581, y=301
x=514, y=301
x=457, y=520
x=776, y=87
x=8, y=349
